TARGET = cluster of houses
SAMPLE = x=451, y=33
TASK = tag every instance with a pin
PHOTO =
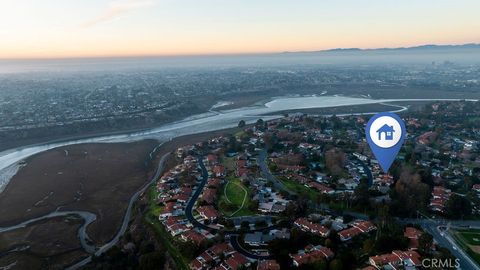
x=311, y=254
x=291, y=162
x=269, y=201
x=313, y=228
x=174, y=195
x=345, y=233
x=220, y=256
x=440, y=196
x=409, y=259
x=313, y=184
x=259, y=238
x=358, y=227
x=175, y=188
x=396, y=260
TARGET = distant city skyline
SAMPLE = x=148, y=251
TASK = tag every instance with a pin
x=109, y=28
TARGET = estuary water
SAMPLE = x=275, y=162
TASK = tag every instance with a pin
x=210, y=121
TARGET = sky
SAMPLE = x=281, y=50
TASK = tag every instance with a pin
x=105, y=28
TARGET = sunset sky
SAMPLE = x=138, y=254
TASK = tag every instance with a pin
x=89, y=28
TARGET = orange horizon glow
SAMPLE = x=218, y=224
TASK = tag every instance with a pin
x=141, y=28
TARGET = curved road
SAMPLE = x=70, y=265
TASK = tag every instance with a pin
x=233, y=233
x=445, y=240
x=262, y=156
x=128, y=213
x=194, y=198
x=236, y=245
x=185, y=126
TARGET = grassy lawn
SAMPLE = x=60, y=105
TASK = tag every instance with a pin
x=299, y=189
x=229, y=163
x=152, y=202
x=233, y=196
x=470, y=236
x=468, y=239
x=151, y=218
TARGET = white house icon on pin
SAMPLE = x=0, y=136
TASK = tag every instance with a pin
x=387, y=130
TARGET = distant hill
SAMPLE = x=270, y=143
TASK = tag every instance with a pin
x=423, y=48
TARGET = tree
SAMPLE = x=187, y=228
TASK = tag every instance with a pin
x=368, y=245
x=361, y=194
x=241, y=124
x=425, y=243
x=152, y=260
x=316, y=265
x=458, y=207
x=336, y=265
x=409, y=194
x=260, y=124
x=334, y=161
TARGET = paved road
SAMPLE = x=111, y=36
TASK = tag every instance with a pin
x=126, y=218
x=236, y=245
x=232, y=233
x=445, y=240
x=368, y=172
x=429, y=225
x=262, y=157
x=194, y=198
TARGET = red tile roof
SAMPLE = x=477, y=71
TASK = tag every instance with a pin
x=236, y=260
x=314, y=228
x=208, y=212
x=314, y=255
x=212, y=158
x=413, y=234
x=349, y=233
x=194, y=237
x=268, y=265
x=219, y=170
x=365, y=226
x=384, y=259
x=412, y=255
x=320, y=187
x=209, y=195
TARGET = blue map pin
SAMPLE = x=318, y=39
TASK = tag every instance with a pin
x=385, y=134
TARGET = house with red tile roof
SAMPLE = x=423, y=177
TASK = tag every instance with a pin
x=208, y=212
x=214, y=182
x=311, y=254
x=427, y=138
x=358, y=228
x=209, y=195
x=379, y=261
x=177, y=229
x=219, y=171
x=210, y=255
x=440, y=196
x=413, y=234
x=193, y=236
x=409, y=258
x=212, y=159
x=181, y=198
x=320, y=187
x=234, y=261
x=311, y=227
x=268, y=265
x=170, y=221
x=396, y=259
x=349, y=233
x=364, y=226
x=168, y=210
